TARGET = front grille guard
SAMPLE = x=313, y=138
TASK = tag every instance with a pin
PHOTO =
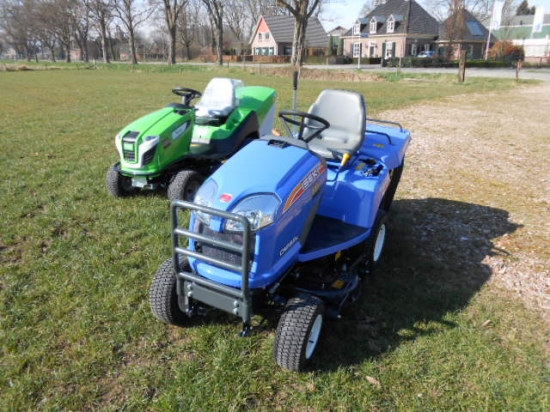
x=193, y=287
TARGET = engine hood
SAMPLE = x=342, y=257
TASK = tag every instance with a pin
x=261, y=167
x=155, y=123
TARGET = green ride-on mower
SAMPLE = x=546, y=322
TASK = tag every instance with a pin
x=180, y=145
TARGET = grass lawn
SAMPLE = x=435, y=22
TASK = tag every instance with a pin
x=76, y=331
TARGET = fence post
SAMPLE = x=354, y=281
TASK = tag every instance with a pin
x=462, y=67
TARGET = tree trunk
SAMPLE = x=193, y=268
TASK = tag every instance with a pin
x=172, y=51
x=132, y=45
x=298, y=44
x=104, y=43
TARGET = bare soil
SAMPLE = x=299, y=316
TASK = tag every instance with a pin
x=491, y=151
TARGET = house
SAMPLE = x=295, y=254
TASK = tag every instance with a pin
x=394, y=28
x=519, y=30
x=274, y=34
x=462, y=31
x=334, y=38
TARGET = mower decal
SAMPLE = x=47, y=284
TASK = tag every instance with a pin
x=226, y=198
x=306, y=182
x=179, y=131
x=288, y=246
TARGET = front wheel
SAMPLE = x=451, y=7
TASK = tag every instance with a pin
x=184, y=185
x=117, y=184
x=298, y=331
x=163, y=296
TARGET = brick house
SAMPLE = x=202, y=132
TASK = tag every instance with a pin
x=462, y=31
x=273, y=37
x=394, y=28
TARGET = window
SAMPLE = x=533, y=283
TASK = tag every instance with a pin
x=391, y=25
x=389, y=50
x=357, y=29
x=414, y=49
x=259, y=36
x=266, y=36
x=373, y=26
x=356, y=49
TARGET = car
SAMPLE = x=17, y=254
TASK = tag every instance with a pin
x=430, y=54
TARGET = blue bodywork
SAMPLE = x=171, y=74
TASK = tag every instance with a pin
x=313, y=192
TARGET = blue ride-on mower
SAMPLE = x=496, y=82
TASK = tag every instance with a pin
x=290, y=225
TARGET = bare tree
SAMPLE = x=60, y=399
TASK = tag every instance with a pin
x=131, y=15
x=454, y=27
x=172, y=10
x=81, y=19
x=302, y=10
x=189, y=25
x=441, y=9
x=47, y=38
x=367, y=7
x=101, y=16
x=215, y=11
x=238, y=20
x=19, y=23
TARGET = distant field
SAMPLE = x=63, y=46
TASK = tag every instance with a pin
x=76, y=331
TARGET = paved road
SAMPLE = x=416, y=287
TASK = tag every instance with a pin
x=540, y=74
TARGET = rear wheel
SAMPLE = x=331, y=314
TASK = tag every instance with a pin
x=375, y=243
x=299, y=331
x=117, y=184
x=390, y=193
x=163, y=295
x=184, y=185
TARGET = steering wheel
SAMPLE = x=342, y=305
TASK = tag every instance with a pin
x=314, y=124
x=186, y=94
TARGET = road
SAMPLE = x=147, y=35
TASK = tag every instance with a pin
x=510, y=73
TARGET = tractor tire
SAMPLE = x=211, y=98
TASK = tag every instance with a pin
x=298, y=331
x=163, y=295
x=184, y=185
x=117, y=184
x=374, y=245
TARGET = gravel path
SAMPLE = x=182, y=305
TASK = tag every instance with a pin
x=491, y=151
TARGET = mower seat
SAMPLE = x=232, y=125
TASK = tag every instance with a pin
x=219, y=98
x=346, y=112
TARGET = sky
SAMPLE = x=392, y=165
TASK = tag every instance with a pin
x=344, y=12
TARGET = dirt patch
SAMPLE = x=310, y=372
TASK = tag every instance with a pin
x=321, y=74
x=490, y=150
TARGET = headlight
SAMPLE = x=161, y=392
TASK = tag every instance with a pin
x=205, y=196
x=151, y=138
x=258, y=209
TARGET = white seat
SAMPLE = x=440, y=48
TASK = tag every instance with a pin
x=219, y=98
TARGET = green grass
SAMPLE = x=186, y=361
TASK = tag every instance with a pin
x=76, y=331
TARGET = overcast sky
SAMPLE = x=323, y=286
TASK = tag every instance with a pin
x=344, y=12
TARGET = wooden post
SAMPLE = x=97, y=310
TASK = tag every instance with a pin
x=462, y=67
x=519, y=65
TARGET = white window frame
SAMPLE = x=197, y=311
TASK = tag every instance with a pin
x=356, y=49
x=389, y=50
x=357, y=29
x=414, y=49
x=260, y=37
x=390, y=27
x=373, y=26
